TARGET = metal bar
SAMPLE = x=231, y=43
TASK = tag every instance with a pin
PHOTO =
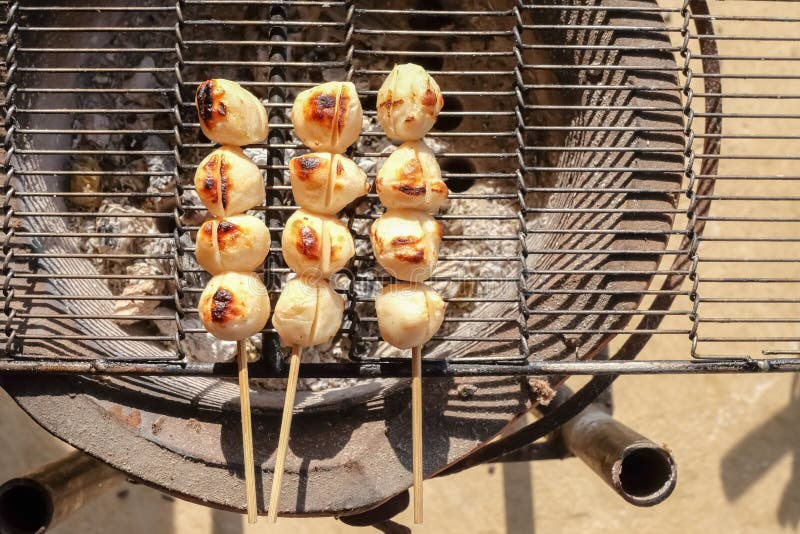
x=431, y=368
x=178, y=146
x=10, y=45
x=277, y=95
x=524, y=312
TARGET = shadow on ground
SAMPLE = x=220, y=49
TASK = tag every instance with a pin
x=760, y=450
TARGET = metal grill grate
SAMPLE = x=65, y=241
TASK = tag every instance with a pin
x=602, y=143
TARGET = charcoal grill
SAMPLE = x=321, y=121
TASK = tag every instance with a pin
x=594, y=196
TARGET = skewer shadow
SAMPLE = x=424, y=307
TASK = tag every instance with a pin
x=313, y=439
x=467, y=414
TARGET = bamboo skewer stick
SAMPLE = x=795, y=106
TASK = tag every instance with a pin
x=283, y=440
x=247, y=432
x=416, y=430
x=233, y=133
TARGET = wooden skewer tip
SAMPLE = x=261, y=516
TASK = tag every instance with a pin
x=416, y=430
x=247, y=432
x=283, y=439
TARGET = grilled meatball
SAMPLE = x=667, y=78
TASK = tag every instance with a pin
x=408, y=102
x=409, y=314
x=316, y=245
x=406, y=243
x=228, y=183
x=411, y=179
x=327, y=117
x=236, y=243
x=234, y=306
x=230, y=114
x=308, y=312
x=325, y=183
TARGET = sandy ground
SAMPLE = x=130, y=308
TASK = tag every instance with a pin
x=736, y=439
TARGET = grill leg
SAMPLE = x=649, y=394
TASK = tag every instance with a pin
x=37, y=501
x=640, y=471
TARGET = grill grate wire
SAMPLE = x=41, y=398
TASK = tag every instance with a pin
x=493, y=76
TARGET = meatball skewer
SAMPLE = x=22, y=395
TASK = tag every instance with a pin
x=315, y=245
x=406, y=238
x=235, y=304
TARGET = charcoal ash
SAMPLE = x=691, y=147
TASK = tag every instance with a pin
x=139, y=287
x=87, y=182
x=98, y=126
x=115, y=221
x=333, y=352
x=161, y=180
x=203, y=347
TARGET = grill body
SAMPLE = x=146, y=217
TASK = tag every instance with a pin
x=583, y=173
